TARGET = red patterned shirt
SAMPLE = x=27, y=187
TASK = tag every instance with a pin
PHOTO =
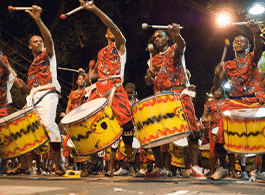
x=243, y=75
x=39, y=71
x=77, y=98
x=168, y=69
x=214, y=108
x=109, y=61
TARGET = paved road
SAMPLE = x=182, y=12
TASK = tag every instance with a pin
x=101, y=185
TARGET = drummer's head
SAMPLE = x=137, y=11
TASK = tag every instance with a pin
x=110, y=36
x=36, y=44
x=81, y=81
x=130, y=90
x=241, y=44
x=218, y=93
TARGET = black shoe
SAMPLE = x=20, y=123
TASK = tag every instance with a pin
x=109, y=174
x=38, y=172
x=169, y=174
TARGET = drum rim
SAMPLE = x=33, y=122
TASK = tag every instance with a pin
x=205, y=149
x=152, y=96
x=153, y=142
x=42, y=145
x=242, y=117
x=27, y=110
x=242, y=152
x=87, y=116
x=213, y=129
x=181, y=145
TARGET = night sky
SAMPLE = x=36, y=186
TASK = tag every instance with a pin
x=205, y=40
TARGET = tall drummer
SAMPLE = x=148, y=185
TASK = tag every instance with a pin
x=109, y=74
x=43, y=86
x=167, y=72
x=6, y=82
x=245, y=82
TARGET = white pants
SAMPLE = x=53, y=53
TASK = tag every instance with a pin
x=46, y=109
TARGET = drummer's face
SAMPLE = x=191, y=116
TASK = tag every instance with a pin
x=240, y=43
x=80, y=81
x=130, y=93
x=36, y=44
x=218, y=93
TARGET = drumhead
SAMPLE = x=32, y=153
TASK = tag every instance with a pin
x=249, y=155
x=152, y=97
x=70, y=143
x=16, y=115
x=205, y=146
x=245, y=113
x=215, y=130
x=183, y=142
x=85, y=110
x=136, y=144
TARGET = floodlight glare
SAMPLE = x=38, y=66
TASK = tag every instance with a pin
x=223, y=20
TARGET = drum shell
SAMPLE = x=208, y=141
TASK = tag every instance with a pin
x=244, y=134
x=21, y=132
x=160, y=120
x=178, y=155
x=205, y=155
x=93, y=132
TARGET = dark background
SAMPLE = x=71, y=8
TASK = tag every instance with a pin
x=79, y=38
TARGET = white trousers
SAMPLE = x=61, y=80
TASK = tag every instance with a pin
x=46, y=109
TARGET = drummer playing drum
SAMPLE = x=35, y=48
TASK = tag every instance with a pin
x=110, y=75
x=44, y=86
x=167, y=72
x=244, y=78
x=211, y=115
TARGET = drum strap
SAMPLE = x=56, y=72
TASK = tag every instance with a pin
x=48, y=92
x=111, y=92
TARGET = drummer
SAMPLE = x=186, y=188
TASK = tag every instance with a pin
x=110, y=74
x=211, y=116
x=6, y=82
x=245, y=82
x=76, y=98
x=167, y=72
x=43, y=87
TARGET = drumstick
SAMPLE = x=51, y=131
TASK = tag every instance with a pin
x=150, y=48
x=11, y=8
x=227, y=44
x=69, y=69
x=64, y=16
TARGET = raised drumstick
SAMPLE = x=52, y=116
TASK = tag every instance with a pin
x=11, y=8
x=64, y=16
